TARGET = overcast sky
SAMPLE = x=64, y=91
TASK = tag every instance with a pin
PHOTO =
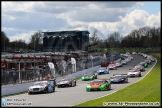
x=20, y=20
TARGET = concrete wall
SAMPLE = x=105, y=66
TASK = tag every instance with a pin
x=11, y=89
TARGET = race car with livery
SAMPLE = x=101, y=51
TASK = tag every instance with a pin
x=140, y=67
x=134, y=73
x=103, y=70
x=99, y=85
x=89, y=76
x=150, y=57
x=148, y=61
x=144, y=64
x=112, y=67
x=123, y=62
x=118, y=64
x=42, y=87
x=119, y=78
x=67, y=82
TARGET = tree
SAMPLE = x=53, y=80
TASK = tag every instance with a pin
x=36, y=41
x=4, y=41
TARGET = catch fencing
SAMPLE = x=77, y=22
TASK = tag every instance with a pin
x=39, y=74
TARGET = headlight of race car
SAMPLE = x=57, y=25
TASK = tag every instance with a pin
x=30, y=89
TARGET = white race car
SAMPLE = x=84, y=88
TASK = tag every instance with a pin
x=118, y=64
x=42, y=87
x=112, y=67
x=124, y=62
x=134, y=73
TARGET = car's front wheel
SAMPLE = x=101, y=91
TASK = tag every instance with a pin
x=96, y=77
x=29, y=92
x=126, y=80
x=45, y=90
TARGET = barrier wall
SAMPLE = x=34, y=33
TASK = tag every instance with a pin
x=12, y=89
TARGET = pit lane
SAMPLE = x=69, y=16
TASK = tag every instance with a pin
x=74, y=95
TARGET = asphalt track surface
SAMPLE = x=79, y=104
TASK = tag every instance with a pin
x=71, y=96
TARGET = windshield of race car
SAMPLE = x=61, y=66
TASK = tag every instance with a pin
x=102, y=68
x=117, y=77
x=66, y=79
x=40, y=83
x=137, y=66
x=88, y=74
x=133, y=70
x=97, y=82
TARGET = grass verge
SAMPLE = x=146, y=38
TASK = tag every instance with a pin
x=145, y=90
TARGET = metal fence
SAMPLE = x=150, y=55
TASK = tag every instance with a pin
x=39, y=74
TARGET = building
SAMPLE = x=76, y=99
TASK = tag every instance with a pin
x=65, y=41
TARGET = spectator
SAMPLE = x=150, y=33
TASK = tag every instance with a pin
x=113, y=62
x=48, y=77
x=106, y=64
x=38, y=73
x=73, y=62
x=64, y=64
x=7, y=77
x=14, y=77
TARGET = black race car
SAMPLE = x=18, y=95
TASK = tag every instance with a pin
x=119, y=78
x=67, y=82
x=89, y=76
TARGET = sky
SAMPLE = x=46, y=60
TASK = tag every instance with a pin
x=20, y=20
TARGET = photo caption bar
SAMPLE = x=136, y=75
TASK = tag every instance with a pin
x=15, y=102
x=131, y=104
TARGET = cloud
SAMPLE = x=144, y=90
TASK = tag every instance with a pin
x=22, y=19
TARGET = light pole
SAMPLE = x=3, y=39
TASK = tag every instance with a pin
x=34, y=55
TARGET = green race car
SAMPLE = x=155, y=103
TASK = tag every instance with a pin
x=144, y=64
x=98, y=85
x=89, y=76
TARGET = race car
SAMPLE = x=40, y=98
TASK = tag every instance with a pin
x=112, y=67
x=67, y=82
x=123, y=62
x=99, y=85
x=134, y=73
x=119, y=78
x=102, y=70
x=140, y=67
x=143, y=64
x=148, y=61
x=42, y=87
x=128, y=59
x=151, y=58
x=89, y=76
x=134, y=53
x=118, y=64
